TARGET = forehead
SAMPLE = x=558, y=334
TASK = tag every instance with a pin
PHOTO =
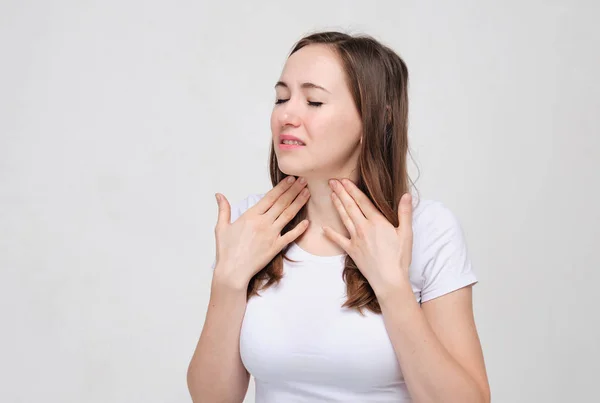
x=314, y=63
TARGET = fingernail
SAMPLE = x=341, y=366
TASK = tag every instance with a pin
x=332, y=183
x=303, y=180
x=217, y=197
x=405, y=198
x=290, y=179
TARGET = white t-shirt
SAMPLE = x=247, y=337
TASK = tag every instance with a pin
x=301, y=346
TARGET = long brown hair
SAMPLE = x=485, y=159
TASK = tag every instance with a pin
x=378, y=81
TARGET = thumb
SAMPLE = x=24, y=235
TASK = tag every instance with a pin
x=224, y=210
x=405, y=214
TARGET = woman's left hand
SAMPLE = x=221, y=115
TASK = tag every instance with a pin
x=382, y=252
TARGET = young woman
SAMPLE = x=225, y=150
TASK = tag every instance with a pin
x=341, y=285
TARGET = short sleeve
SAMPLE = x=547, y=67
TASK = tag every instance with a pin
x=237, y=209
x=448, y=266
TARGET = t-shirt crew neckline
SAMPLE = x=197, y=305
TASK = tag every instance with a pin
x=296, y=252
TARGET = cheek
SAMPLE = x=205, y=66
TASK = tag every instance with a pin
x=334, y=128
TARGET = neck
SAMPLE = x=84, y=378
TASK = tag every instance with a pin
x=320, y=209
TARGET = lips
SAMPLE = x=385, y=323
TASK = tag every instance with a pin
x=289, y=137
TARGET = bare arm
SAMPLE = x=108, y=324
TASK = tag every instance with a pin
x=437, y=346
x=216, y=373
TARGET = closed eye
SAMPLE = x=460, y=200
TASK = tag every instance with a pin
x=315, y=104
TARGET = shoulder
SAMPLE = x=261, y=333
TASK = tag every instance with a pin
x=431, y=217
x=441, y=262
x=436, y=230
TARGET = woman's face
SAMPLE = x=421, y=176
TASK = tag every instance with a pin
x=324, y=119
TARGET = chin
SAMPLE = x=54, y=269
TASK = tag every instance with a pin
x=290, y=170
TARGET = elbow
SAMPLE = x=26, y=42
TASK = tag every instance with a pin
x=192, y=385
x=476, y=394
x=485, y=395
x=482, y=386
x=196, y=386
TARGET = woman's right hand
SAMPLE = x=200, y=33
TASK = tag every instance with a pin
x=245, y=246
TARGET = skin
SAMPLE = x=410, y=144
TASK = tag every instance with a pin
x=436, y=342
x=331, y=133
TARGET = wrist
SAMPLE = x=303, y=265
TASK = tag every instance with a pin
x=222, y=279
x=394, y=293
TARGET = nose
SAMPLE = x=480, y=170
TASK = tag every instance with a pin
x=288, y=114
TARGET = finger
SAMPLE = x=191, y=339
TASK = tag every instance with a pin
x=364, y=203
x=291, y=211
x=405, y=212
x=273, y=195
x=405, y=216
x=339, y=239
x=224, y=216
x=344, y=215
x=285, y=200
x=291, y=235
x=349, y=204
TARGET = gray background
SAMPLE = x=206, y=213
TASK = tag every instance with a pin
x=119, y=120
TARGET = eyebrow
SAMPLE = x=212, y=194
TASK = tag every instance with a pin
x=303, y=85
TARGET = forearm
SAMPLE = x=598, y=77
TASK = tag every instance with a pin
x=216, y=372
x=432, y=375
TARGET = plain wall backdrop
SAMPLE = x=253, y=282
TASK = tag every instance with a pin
x=119, y=120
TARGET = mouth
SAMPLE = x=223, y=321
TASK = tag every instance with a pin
x=290, y=145
x=289, y=140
